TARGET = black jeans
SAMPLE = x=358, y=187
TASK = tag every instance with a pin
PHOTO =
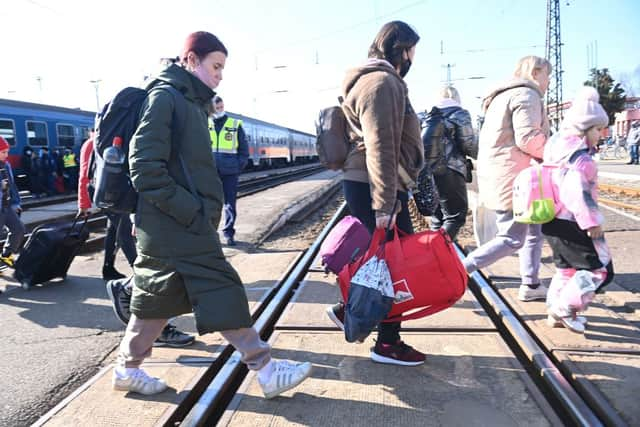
x=452, y=212
x=119, y=233
x=358, y=197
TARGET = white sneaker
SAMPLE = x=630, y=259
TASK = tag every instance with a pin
x=553, y=323
x=285, y=376
x=570, y=322
x=525, y=293
x=138, y=382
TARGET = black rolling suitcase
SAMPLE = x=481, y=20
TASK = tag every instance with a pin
x=49, y=251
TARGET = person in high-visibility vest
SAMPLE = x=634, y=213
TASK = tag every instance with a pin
x=231, y=152
x=70, y=169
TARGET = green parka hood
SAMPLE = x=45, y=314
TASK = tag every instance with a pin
x=191, y=87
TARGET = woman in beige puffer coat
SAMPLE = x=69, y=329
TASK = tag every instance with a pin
x=514, y=133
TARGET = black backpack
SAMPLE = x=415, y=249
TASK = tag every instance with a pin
x=435, y=136
x=120, y=118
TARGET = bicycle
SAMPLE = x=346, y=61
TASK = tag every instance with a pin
x=614, y=149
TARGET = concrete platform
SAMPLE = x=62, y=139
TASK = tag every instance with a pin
x=318, y=291
x=46, y=213
x=181, y=367
x=616, y=376
x=468, y=380
x=256, y=220
x=99, y=405
x=259, y=270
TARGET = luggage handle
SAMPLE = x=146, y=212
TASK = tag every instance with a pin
x=75, y=221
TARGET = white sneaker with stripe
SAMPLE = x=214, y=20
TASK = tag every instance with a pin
x=138, y=382
x=285, y=376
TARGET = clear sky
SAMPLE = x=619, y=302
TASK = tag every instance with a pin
x=287, y=57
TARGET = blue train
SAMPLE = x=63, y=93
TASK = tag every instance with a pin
x=25, y=124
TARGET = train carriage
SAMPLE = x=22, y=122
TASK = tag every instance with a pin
x=272, y=145
x=25, y=124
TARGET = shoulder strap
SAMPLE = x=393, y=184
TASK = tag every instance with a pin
x=576, y=155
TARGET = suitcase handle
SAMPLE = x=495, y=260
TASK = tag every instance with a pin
x=75, y=221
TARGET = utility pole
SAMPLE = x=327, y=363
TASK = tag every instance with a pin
x=448, y=67
x=553, y=48
x=39, y=80
x=96, y=85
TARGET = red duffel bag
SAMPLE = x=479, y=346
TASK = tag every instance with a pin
x=426, y=272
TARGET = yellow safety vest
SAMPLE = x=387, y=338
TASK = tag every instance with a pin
x=227, y=140
x=69, y=160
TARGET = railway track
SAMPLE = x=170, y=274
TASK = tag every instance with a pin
x=209, y=399
x=630, y=197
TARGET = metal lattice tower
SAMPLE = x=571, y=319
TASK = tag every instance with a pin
x=553, y=48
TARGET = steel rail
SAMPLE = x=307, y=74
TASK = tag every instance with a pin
x=583, y=411
x=617, y=204
x=619, y=189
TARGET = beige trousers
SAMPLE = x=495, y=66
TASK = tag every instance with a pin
x=141, y=333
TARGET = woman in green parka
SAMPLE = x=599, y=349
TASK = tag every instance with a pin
x=180, y=266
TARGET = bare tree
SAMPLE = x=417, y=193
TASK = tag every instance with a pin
x=630, y=82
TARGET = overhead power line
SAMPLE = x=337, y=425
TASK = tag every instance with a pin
x=491, y=49
x=345, y=29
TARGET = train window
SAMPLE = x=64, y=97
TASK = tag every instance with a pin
x=84, y=133
x=37, y=133
x=65, y=136
x=8, y=131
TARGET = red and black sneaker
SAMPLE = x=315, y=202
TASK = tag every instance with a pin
x=336, y=314
x=397, y=354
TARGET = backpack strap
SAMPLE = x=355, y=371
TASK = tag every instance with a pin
x=576, y=155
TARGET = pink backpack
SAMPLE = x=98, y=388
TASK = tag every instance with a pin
x=348, y=240
x=535, y=199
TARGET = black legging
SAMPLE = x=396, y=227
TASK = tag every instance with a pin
x=452, y=211
x=358, y=197
x=119, y=234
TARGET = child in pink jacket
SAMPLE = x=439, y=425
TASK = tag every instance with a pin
x=580, y=252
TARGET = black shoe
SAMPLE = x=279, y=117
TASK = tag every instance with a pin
x=120, y=295
x=231, y=241
x=172, y=337
x=110, y=273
